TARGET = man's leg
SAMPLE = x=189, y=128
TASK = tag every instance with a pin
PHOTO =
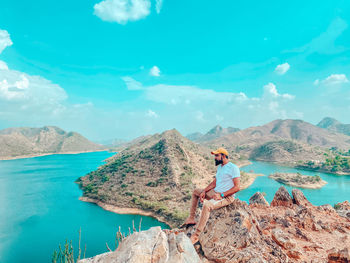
x=208, y=206
x=194, y=203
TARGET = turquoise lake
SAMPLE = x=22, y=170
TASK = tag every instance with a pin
x=336, y=190
x=39, y=206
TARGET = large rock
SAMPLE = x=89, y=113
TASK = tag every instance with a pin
x=258, y=199
x=299, y=198
x=232, y=234
x=282, y=198
x=343, y=209
x=153, y=246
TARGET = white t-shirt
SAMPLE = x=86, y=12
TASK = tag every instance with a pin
x=224, y=177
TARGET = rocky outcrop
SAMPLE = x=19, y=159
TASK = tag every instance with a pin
x=291, y=229
x=258, y=199
x=151, y=246
x=282, y=198
x=299, y=198
x=343, y=209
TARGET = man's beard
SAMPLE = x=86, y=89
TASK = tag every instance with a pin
x=217, y=162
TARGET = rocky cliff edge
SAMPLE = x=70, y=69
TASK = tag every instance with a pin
x=290, y=229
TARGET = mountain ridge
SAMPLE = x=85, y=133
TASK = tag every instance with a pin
x=28, y=142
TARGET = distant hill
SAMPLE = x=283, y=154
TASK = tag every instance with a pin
x=267, y=142
x=21, y=142
x=334, y=125
x=214, y=133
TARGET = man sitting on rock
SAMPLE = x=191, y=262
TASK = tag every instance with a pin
x=217, y=194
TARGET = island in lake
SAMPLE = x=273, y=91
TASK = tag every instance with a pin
x=299, y=180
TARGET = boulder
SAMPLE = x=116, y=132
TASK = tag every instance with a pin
x=299, y=198
x=232, y=235
x=282, y=198
x=153, y=246
x=343, y=209
x=258, y=199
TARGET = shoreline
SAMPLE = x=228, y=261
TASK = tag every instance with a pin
x=251, y=180
x=124, y=210
x=45, y=154
x=320, y=170
x=299, y=167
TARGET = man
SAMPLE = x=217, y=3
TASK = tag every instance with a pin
x=217, y=194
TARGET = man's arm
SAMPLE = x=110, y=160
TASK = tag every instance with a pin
x=210, y=186
x=207, y=189
x=236, y=187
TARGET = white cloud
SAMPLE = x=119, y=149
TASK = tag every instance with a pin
x=154, y=71
x=5, y=40
x=132, y=84
x=122, y=11
x=3, y=65
x=282, y=68
x=159, y=4
x=152, y=114
x=270, y=90
x=175, y=95
x=335, y=79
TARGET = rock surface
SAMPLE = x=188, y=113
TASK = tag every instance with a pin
x=258, y=199
x=343, y=209
x=290, y=230
x=153, y=246
x=282, y=198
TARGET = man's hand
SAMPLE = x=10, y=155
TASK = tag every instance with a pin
x=202, y=196
x=217, y=196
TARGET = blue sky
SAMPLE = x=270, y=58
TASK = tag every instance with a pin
x=122, y=68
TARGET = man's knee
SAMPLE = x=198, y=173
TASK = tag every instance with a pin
x=197, y=192
x=207, y=205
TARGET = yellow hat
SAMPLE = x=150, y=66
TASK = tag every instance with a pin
x=220, y=150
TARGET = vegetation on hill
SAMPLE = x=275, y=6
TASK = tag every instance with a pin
x=299, y=180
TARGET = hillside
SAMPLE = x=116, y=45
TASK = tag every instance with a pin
x=334, y=125
x=21, y=142
x=214, y=133
x=283, y=141
x=157, y=174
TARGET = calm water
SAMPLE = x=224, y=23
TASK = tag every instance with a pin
x=337, y=190
x=39, y=208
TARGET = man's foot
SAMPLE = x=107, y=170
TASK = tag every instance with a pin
x=188, y=222
x=194, y=238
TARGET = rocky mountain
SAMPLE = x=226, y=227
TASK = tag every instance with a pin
x=214, y=133
x=156, y=174
x=334, y=125
x=290, y=229
x=21, y=142
x=283, y=141
x=195, y=136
